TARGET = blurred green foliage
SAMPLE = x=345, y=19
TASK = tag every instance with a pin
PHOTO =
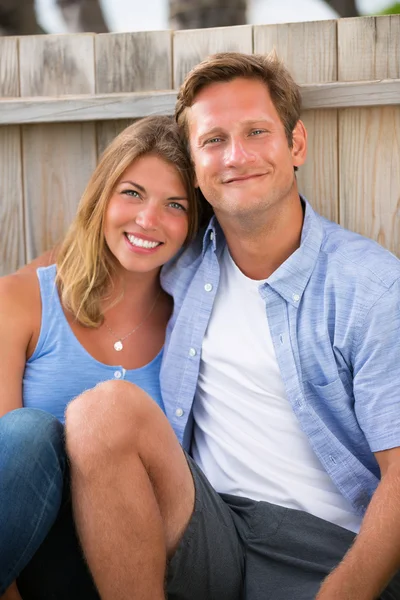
x=392, y=10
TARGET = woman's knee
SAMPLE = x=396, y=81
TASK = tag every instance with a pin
x=32, y=467
x=104, y=421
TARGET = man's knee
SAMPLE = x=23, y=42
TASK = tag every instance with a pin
x=103, y=422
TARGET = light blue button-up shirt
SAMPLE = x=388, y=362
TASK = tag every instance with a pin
x=333, y=309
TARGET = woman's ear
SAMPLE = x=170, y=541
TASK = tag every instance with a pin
x=299, y=146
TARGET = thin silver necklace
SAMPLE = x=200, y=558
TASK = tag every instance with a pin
x=118, y=345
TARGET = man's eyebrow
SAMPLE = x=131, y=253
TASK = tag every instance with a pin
x=210, y=132
x=220, y=129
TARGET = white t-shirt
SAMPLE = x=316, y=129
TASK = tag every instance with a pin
x=246, y=437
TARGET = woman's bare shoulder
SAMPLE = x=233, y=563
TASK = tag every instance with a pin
x=20, y=294
x=44, y=260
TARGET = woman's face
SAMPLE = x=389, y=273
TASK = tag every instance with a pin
x=146, y=221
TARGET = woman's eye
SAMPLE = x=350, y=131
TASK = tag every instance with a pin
x=132, y=193
x=177, y=206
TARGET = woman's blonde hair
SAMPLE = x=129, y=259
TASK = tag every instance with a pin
x=84, y=261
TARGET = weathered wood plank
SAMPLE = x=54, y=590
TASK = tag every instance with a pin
x=88, y=107
x=9, y=77
x=57, y=159
x=133, y=62
x=12, y=245
x=309, y=51
x=58, y=162
x=370, y=174
x=369, y=138
x=51, y=65
x=108, y=130
x=192, y=46
x=369, y=48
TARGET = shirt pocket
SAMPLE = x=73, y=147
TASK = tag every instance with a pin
x=330, y=397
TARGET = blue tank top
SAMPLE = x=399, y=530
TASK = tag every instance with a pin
x=60, y=368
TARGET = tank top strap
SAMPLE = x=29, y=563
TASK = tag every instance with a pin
x=53, y=322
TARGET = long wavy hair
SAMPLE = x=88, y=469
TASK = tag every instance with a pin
x=85, y=264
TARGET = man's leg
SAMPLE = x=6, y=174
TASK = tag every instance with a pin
x=32, y=462
x=132, y=489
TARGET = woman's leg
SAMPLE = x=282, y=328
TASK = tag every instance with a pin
x=32, y=465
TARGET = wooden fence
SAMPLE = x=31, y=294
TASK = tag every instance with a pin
x=63, y=97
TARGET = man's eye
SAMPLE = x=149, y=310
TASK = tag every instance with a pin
x=177, y=206
x=213, y=140
x=257, y=131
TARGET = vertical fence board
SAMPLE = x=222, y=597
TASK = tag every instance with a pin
x=12, y=246
x=369, y=138
x=130, y=62
x=309, y=51
x=9, y=80
x=58, y=160
x=192, y=46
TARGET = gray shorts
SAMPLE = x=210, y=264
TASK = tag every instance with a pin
x=236, y=548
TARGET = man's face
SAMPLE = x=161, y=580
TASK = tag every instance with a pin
x=243, y=161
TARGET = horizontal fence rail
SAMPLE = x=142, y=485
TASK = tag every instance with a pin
x=134, y=105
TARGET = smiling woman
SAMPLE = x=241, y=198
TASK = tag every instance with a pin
x=99, y=313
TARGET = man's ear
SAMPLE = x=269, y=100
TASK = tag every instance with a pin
x=299, y=147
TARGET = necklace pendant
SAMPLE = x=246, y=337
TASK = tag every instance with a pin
x=118, y=346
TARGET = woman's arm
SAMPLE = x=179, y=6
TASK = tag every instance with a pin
x=20, y=315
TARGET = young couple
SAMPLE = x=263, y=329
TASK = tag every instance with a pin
x=267, y=463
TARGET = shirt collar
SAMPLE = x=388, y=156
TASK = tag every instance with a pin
x=291, y=278
x=214, y=236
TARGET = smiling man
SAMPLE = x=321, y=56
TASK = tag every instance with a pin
x=280, y=380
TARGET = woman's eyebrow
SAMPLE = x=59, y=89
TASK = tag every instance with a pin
x=139, y=187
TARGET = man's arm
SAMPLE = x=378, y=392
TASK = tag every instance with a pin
x=375, y=554
x=374, y=557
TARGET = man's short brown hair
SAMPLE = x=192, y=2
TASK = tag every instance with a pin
x=226, y=66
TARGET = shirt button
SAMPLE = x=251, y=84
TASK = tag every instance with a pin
x=296, y=297
x=192, y=352
x=117, y=374
x=208, y=287
x=211, y=235
x=179, y=412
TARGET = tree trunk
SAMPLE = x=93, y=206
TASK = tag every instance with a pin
x=187, y=14
x=83, y=15
x=18, y=17
x=344, y=8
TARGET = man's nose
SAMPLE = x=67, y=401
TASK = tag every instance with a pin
x=238, y=153
x=148, y=217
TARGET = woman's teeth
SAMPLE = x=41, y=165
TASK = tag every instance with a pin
x=141, y=243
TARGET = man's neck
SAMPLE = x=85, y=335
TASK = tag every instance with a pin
x=260, y=249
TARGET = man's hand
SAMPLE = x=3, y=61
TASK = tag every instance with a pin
x=11, y=593
x=374, y=558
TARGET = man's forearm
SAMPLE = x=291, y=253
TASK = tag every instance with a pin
x=374, y=557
